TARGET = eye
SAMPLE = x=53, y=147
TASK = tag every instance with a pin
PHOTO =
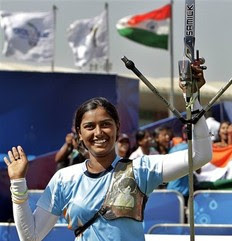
x=106, y=124
x=88, y=126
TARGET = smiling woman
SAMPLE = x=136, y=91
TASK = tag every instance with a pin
x=98, y=130
x=104, y=197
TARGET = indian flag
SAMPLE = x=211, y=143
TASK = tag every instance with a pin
x=150, y=29
x=220, y=167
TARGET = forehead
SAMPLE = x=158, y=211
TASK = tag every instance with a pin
x=163, y=132
x=98, y=114
x=224, y=125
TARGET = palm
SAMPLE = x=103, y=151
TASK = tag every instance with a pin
x=17, y=169
x=18, y=163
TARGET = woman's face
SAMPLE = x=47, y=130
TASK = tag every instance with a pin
x=146, y=141
x=223, y=132
x=98, y=131
x=163, y=138
x=123, y=145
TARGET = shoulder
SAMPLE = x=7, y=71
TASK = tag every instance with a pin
x=137, y=153
x=149, y=162
x=148, y=172
x=71, y=172
x=178, y=147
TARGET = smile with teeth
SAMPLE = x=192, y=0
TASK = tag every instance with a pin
x=99, y=142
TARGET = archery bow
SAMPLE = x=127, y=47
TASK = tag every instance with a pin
x=187, y=80
x=186, y=77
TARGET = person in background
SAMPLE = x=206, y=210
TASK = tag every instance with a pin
x=224, y=135
x=162, y=137
x=143, y=145
x=72, y=152
x=123, y=148
x=217, y=174
x=86, y=192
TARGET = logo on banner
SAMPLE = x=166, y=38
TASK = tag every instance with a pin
x=31, y=33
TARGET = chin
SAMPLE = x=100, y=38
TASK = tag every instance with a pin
x=103, y=153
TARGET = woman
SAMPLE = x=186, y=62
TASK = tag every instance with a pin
x=162, y=139
x=224, y=135
x=79, y=190
x=143, y=145
x=221, y=160
x=123, y=146
x=72, y=152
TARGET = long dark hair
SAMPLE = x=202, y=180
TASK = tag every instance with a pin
x=155, y=135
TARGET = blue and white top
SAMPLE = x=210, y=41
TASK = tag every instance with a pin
x=80, y=194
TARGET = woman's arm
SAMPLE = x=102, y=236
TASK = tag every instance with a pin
x=66, y=149
x=176, y=165
x=30, y=226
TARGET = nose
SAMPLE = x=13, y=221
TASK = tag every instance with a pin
x=98, y=130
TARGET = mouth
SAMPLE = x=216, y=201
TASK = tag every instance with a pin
x=99, y=142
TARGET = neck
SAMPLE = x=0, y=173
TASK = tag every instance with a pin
x=145, y=150
x=163, y=150
x=122, y=153
x=98, y=164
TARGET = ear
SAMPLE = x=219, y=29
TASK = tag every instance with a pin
x=139, y=142
x=79, y=135
x=117, y=134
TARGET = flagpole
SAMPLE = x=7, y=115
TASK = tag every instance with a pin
x=107, y=63
x=171, y=60
x=54, y=8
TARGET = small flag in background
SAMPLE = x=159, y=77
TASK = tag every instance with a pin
x=88, y=39
x=220, y=166
x=149, y=29
x=28, y=36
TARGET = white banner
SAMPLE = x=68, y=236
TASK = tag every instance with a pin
x=88, y=39
x=28, y=36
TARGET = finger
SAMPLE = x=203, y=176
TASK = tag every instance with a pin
x=197, y=68
x=197, y=77
x=15, y=153
x=11, y=156
x=6, y=161
x=197, y=71
x=21, y=153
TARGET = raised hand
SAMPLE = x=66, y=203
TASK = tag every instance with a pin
x=69, y=138
x=198, y=75
x=17, y=163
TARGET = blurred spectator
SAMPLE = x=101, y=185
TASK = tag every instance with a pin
x=220, y=167
x=123, y=148
x=162, y=139
x=213, y=126
x=182, y=143
x=143, y=145
x=224, y=134
x=72, y=152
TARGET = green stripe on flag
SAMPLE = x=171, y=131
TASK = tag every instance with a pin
x=222, y=184
x=145, y=37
